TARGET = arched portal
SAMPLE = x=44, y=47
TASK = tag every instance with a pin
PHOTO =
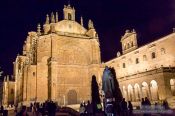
x=124, y=93
x=154, y=90
x=145, y=90
x=137, y=92
x=72, y=97
x=172, y=84
x=130, y=93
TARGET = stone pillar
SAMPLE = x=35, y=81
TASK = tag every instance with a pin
x=53, y=78
x=149, y=92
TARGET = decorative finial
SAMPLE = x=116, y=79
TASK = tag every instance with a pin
x=69, y=3
x=173, y=30
x=47, y=19
x=52, y=18
x=39, y=29
x=127, y=31
x=81, y=21
x=7, y=78
x=90, y=24
x=133, y=30
x=56, y=17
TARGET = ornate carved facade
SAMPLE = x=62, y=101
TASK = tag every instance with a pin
x=59, y=62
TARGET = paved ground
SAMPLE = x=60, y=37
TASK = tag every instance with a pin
x=11, y=113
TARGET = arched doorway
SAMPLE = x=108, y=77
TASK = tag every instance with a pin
x=154, y=90
x=137, y=92
x=125, y=93
x=130, y=93
x=72, y=97
x=145, y=90
x=172, y=84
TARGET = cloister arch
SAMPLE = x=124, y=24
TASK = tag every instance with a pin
x=124, y=93
x=154, y=90
x=137, y=92
x=130, y=93
x=145, y=90
x=172, y=84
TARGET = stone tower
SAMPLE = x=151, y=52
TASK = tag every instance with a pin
x=129, y=41
x=69, y=13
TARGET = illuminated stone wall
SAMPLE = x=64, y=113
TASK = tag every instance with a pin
x=58, y=64
x=142, y=72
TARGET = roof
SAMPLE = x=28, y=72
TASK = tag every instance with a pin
x=70, y=26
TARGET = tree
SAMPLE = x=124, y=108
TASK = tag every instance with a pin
x=116, y=92
x=95, y=93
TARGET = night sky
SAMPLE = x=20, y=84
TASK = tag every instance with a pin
x=151, y=19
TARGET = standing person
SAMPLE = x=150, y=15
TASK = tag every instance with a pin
x=16, y=109
x=89, y=108
x=143, y=104
x=124, y=109
x=130, y=108
x=23, y=112
x=82, y=109
x=147, y=106
x=31, y=105
x=165, y=105
x=2, y=109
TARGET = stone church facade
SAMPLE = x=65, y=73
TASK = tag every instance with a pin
x=59, y=61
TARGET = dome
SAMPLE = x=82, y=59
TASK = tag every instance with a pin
x=70, y=26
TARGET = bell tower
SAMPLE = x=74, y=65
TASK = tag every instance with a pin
x=129, y=41
x=69, y=13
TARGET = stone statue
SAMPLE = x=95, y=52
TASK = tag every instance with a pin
x=81, y=21
x=90, y=24
x=39, y=29
x=56, y=17
x=52, y=18
x=47, y=19
x=107, y=83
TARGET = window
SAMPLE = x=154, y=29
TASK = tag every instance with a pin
x=132, y=44
x=144, y=58
x=124, y=66
x=128, y=45
x=125, y=47
x=153, y=55
x=33, y=73
x=137, y=60
x=69, y=16
x=162, y=51
x=172, y=84
x=12, y=91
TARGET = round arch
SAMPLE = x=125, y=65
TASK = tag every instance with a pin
x=124, y=93
x=72, y=97
x=172, y=84
x=137, y=92
x=145, y=90
x=130, y=93
x=154, y=90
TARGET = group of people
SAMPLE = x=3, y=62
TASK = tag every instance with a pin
x=147, y=108
x=47, y=108
x=124, y=108
x=89, y=108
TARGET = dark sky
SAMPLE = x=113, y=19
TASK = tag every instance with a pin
x=150, y=18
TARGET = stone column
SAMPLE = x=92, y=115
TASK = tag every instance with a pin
x=53, y=78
